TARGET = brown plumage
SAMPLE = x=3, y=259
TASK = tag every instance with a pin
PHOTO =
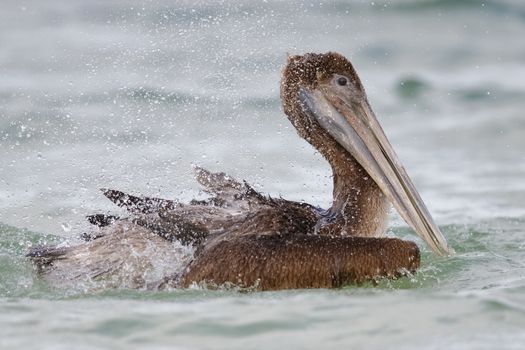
x=292, y=261
x=359, y=207
x=247, y=239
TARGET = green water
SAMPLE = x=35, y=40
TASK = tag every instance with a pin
x=127, y=95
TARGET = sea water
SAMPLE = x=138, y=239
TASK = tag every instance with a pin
x=128, y=94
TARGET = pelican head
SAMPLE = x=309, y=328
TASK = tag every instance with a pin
x=324, y=99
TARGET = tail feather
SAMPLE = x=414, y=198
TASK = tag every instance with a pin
x=138, y=205
x=226, y=189
x=44, y=255
x=101, y=220
x=217, y=183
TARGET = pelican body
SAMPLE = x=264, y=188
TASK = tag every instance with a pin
x=241, y=237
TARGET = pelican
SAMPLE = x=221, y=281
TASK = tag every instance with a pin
x=243, y=238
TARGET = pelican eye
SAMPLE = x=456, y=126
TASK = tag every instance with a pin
x=342, y=81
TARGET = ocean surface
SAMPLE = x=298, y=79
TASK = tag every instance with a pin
x=128, y=94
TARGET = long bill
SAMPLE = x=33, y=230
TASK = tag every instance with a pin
x=353, y=124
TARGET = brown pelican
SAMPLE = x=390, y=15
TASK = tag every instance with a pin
x=244, y=238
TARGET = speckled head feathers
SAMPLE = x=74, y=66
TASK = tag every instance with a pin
x=307, y=71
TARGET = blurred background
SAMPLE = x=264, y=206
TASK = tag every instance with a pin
x=128, y=94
